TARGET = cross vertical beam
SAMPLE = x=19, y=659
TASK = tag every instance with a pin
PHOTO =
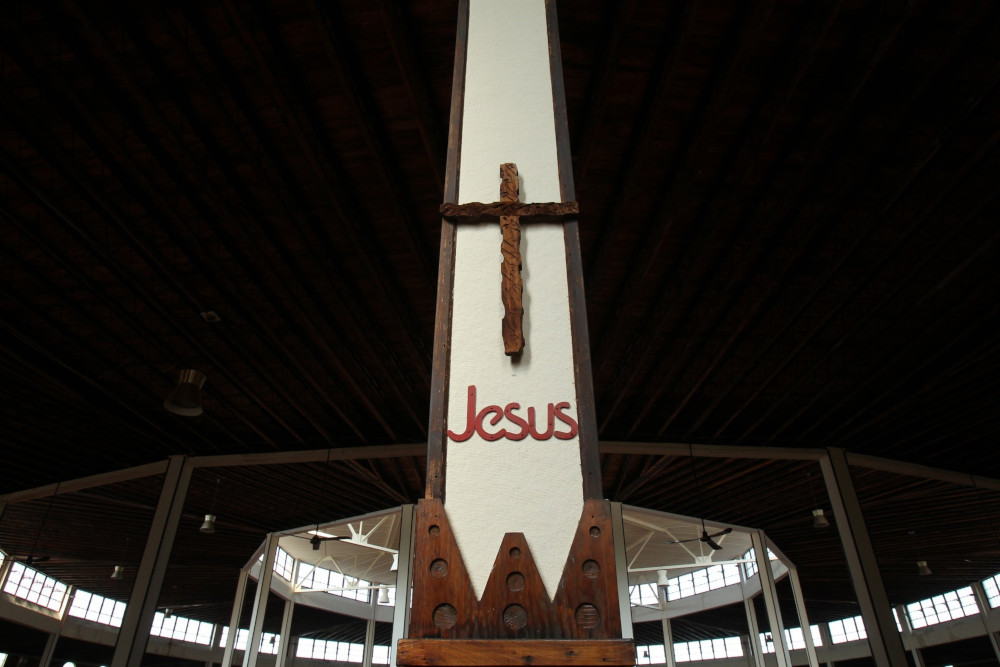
x=511, y=287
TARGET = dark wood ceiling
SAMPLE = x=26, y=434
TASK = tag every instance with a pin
x=788, y=224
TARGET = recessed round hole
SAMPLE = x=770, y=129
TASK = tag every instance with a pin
x=515, y=617
x=515, y=582
x=515, y=553
x=433, y=531
x=445, y=616
x=439, y=568
x=587, y=616
x=591, y=568
x=595, y=531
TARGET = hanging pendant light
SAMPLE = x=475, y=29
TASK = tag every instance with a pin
x=117, y=574
x=185, y=399
x=383, y=595
x=819, y=519
x=922, y=569
x=208, y=525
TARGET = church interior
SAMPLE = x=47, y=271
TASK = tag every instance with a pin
x=789, y=239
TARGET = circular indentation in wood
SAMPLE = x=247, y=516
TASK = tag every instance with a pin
x=433, y=531
x=515, y=581
x=587, y=616
x=445, y=616
x=591, y=568
x=515, y=553
x=515, y=617
x=595, y=531
x=439, y=568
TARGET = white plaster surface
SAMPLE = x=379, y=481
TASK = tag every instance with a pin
x=528, y=486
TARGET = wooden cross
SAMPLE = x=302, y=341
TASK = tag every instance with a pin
x=510, y=211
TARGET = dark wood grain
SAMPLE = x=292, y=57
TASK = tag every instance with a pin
x=511, y=286
x=535, y=211
x=508, y=653
x=515, y=603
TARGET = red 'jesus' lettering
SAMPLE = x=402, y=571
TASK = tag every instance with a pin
x=485, y=422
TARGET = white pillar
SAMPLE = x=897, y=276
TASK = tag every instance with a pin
x=621, y=570
x=824, y=634
x=800, y=608
x=883, y=638
x=753, y=648
x=260, y=600
x=134, y=632
x=404, y=579
x=770, y=594
x=284, y=649
x=234, y=619
x=668, y=638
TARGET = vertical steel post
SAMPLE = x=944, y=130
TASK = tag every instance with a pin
x=260, y=600
x=770, y=594
x=404, y=579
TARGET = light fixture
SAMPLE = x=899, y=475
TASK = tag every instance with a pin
x=168, y=612
x=185, y=399
x=922, y=569
x=208, y=525
x=819, y=519
x=383, y=595
x=119, y=568
x=117, y=574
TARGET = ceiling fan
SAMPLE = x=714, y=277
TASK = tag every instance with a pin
x=316, y=540
x=706, y=538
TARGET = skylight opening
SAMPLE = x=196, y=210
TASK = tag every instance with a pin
x=321, y=649
x=322, y=579
x=29, y=584
x=992, y=588
x=702, y=581
x=708, y=649
x=940, y=608
x=794, y=639
x=182, y=629
x=97, y=608
x=847, y=630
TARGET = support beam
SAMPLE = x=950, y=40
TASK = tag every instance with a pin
x=827, y=639
x=753, y=647
x=260, y=600
x=800, y=610
x=984, y=613
x=404, y=579
x=134, y=632
x=886, y=644
x=770, y=594
x=621, y=567
x=904, y=620
x=668, y=637
x=234, y=619
x=285, y=656
x=50, y=648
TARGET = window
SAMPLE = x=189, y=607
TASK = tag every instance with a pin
x=643, y=594
x=184, y=629
x=97, y=608
x=941, y=608
x=708, y=649
x=270, y=643
x=283, y=564
x=794, y=639
x=334, y=583
x=320, y=649
x=702, y=581
x=992, y=588
x=653, y=654
x=29, y=584
x=847, y=630
x=380, y=655
x=750, y=567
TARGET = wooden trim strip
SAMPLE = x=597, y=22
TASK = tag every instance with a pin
x=436, y=430
x=516, y=652
x=590, y=462
x=476, y=211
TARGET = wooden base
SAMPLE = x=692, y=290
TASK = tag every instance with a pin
x=515, y=652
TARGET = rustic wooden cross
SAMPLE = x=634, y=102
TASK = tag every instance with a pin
x=510, y=211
